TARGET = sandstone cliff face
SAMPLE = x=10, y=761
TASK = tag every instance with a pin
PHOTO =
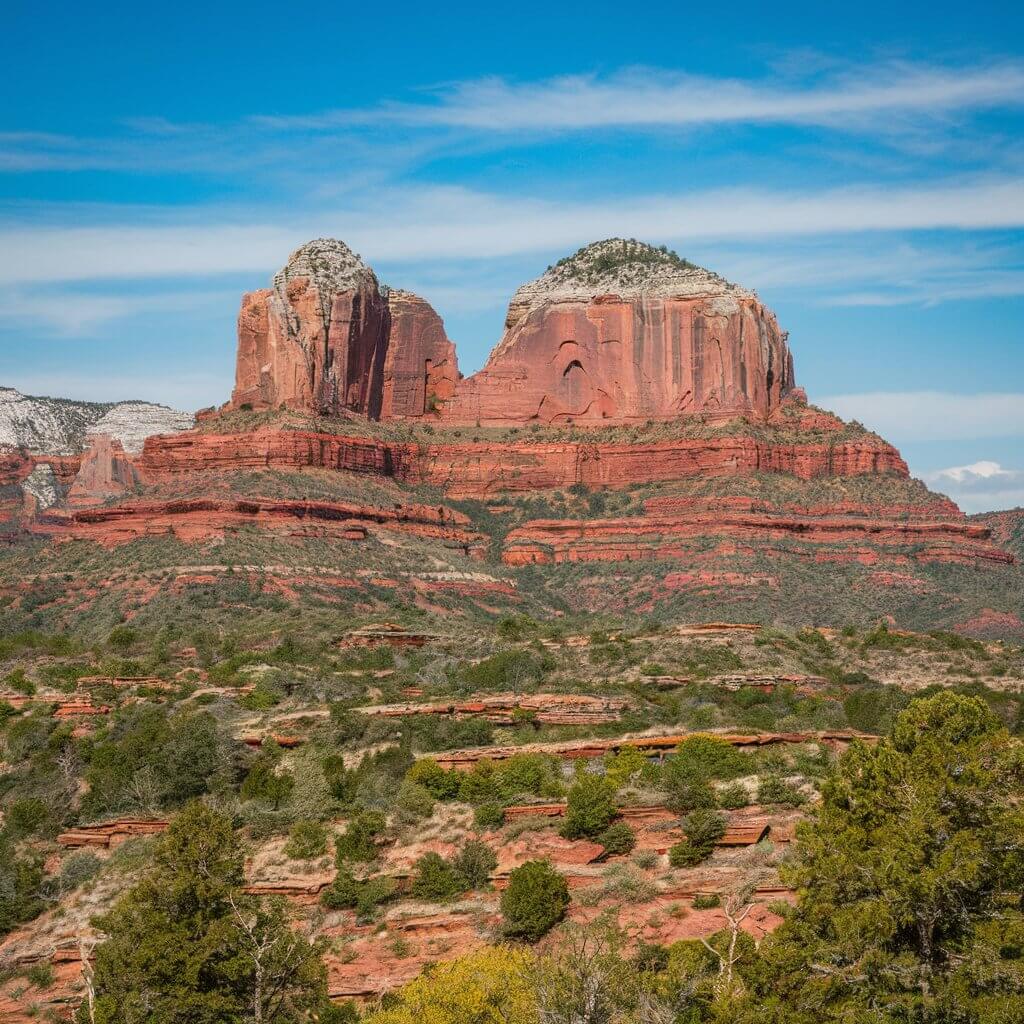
x=621, y=332
x=420, y=369
x=317, y=339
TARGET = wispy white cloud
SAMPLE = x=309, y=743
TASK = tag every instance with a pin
x=457, y=223
x=71, y=314
x=906, y=416
x=652, y=98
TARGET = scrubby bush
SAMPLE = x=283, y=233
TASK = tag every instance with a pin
x=686, y=788
x=343, y=782
x=703, y=829
x=441, y=784
x=347, y=892
x=711, y=757
x=873, y=708
x=146, y=759
x=437, y=878
x=78, y=868
x=489, y=816
x=475, y=862
x=358, y=841
x=535, y=901
x=265, y=782
x=306, y=840
x=733, y=796
x=413, y=802
x=617, y=838
x=773, y=789
x=512, y=669
x=629, y=765
x=706, y=901
x=591, y=807
x=481, y=784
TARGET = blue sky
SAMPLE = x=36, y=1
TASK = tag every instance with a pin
x=861, y=168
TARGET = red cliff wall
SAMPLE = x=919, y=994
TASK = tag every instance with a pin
x=629, y=360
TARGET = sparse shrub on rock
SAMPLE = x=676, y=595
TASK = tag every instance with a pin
x=591, y=807
x=703, y=829
x=535, y=901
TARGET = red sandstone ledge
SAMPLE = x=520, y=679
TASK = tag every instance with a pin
x=463, y=760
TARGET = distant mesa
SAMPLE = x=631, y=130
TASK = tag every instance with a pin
x=619, y=332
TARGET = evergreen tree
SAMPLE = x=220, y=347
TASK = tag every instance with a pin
x=186, y=946
x=911, y=877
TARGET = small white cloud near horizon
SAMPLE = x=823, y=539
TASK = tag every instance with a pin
x=982, y=486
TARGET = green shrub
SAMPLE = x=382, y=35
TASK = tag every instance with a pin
x=441, y=784
x=264, y=782
x=413, y=803
x=711, y=757
x=75, y=870
x=437, y=878
x=873, y=708
x=358, y=841
x=733, y=796
x=262, y=697
x=489, y=816
x=686, y=788
x=343, y=782
x=475, y=862
x=535, y=901
x=591, y=807
x=706, y=901
x=19, y=682
x=703, y=829
x=122, y=638
x=527, y=775
x=481, y=784
x=40, y=975
x=773, y=789
x=617, y=838
x=26, y=816
x=306, y=840
x=513, y=669
x=628, y=765
x=348, y=893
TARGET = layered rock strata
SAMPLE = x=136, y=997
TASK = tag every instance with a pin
x=671, y=526
x=482, y=469
x=198, y=519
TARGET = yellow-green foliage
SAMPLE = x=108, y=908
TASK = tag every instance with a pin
x=488, y=987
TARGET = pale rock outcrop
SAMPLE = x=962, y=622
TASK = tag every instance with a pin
x=60, y=426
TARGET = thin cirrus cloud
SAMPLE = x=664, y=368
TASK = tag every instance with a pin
x=652, y=98
x=456, y=223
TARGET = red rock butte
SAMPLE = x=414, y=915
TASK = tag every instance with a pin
x=619, y=332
